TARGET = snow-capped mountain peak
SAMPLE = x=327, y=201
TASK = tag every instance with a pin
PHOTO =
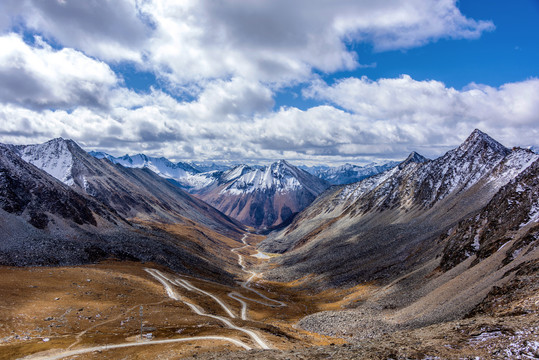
x=280, y=176
x=54, y=157
x=263, y=196
x=236, y=172
x=413, y=157
x=478, y=140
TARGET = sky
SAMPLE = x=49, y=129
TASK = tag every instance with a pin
x=310, y=81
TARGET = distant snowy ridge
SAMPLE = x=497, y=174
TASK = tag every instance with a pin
x=161, y=166
x=280, y=176
x=348, y=173
x=183, y=173
x=194, y=176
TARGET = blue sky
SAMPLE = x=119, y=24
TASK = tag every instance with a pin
x=309, y=81
x=509, y=53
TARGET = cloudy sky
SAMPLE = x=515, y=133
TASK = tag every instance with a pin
x=312, y=81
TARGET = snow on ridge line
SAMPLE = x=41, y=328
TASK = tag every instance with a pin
x=280, y=176
x=53, y=157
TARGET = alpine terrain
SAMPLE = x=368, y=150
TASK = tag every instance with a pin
x=348, y=173
x=257, y=196
x=429, y=242
x=263, y=197
x=427, y=259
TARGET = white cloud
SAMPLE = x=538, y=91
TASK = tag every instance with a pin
x=231, y=56
x=278, y=42
x=281, y=41
x=41, y=77
x=384, y=119
x=398, y=24
x=111, y=30
x=428, y=112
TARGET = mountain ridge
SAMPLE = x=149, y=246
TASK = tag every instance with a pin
x=407, y=193
x=349, y=173
x=431, y=239
x=263, y=197
x=133, y=192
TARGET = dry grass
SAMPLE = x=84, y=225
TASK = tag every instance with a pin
x=99, y=304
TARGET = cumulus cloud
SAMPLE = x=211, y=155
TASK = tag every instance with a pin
x=110, y=30
x=273, y=41
x=280, y=41
x=231, y=57
x=364, y=119
x=423, y=112
x=40, y=77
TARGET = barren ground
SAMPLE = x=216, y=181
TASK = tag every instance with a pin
x=60, y=308
x=47, y=311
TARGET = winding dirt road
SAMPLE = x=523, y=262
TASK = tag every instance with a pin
x=65, y=354
x=245, y=284
x=168, y=283
x=163, y=279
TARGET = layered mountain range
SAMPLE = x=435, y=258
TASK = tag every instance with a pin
x=134, y=192
x=453, y=240
x=257, y=196
x=434, y=235
x=60, y=205
x=263, y=197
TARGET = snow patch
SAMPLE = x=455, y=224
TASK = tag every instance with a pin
x=475, y=244
x=261, y=255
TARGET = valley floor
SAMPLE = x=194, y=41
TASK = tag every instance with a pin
x=94, y=312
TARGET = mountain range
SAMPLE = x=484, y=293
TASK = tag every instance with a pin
x=263, y=197
x=434, y=235
x=259, y=196
x=444, y=248
x=63, y=206
x=348, y=173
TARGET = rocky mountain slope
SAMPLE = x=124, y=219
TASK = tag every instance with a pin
x=432, y=237
x=46, y=222
x=63, y=206
x=135, y=193
x=38, y=198
x=263, y=197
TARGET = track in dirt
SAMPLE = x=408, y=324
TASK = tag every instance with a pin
x=169, y=282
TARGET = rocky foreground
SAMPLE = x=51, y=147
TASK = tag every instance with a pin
x=505, y=325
